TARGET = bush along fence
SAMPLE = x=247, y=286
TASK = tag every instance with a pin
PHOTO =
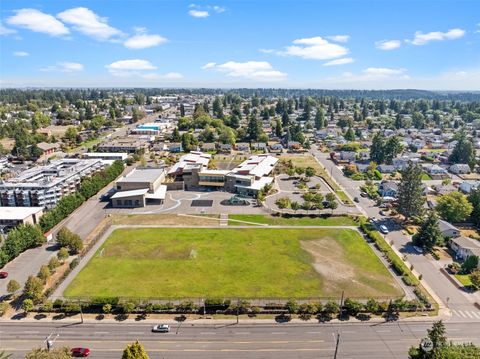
x=396, y=262
x=27, y=236
x=326, y=310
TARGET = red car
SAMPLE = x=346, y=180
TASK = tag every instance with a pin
x=3, y=275
x=80, y=352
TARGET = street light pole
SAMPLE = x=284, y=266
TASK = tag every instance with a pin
x=238, y=308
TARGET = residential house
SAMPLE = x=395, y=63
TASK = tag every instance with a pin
x=242, y=146
x=48, y=148
x=259, y=146
x=388, y=189
x=226, y=147
x=348, y=156
x=469, y=186
x=208, y=147
x=448, y=230
x=276, y=148
x=464, y=247
x=386, y=168
x=460, y=168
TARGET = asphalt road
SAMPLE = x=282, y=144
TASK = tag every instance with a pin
x=359, y=340
x=459, y=301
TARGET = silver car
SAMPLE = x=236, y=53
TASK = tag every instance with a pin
x=161, y=328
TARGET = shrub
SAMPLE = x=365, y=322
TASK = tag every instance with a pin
x=70, y=240
x=46, y=306
x=44, y=273
x=352, y=307
x=53, y=263
x=62, y=254
x=3, y=308
x=107, y=308
x=74, y=263
x=291, y=306
x=33, y=289
x=331, y=308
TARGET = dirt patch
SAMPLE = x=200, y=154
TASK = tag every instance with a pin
x=329, y=260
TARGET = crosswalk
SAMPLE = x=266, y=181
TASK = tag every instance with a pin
x=466, y=314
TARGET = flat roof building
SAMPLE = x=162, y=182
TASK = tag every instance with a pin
x=11, y=217
x=43, y=186
x=140, y=186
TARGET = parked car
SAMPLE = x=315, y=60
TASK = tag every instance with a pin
x=383, y=229
x=80, y=352
x=382, y=213
x=418, y=249
x=161, y=328
x=356, y=199
x=364, y=194
x=3, y=275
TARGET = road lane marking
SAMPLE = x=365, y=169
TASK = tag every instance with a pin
x=208, y=333
x=31, y=331
x=135, y=333
x=476, y=314
x=242, y=333
x=383, y=331
x=468, y=314
x=461, y=314
x=348, y=331
x=314, y=332
x=279, y=333
x=93, y=333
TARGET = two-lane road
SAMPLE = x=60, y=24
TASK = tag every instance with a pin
x=357, y=340
x=459, y=301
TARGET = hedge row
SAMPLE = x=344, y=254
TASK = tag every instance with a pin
x=88, y=188
x=398, y=265
x=219, y=306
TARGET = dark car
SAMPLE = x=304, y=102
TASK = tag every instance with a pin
x=363, y=194
x=3, y=275
x=356, y=199
x=80, y=352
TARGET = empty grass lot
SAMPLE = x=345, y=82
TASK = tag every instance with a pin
x=246, y=263
x=284, y=221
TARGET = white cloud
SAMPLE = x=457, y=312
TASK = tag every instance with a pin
x=251, y=70
x=315, y=48
x=172, y=76
x=339, y=38
x=218, y=9
x=341, y=61
x=38, y=21
x=266, y=51
x=5, y=30
x=132, y=67
x=388, y=44
x=383, y=71
x=143, y=41
x=21, y=53
x=88, y=23
x=64, y=67
x=209, y=65
x=198, y=13
x=422, y=39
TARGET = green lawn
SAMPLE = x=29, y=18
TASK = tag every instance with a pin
x=246, y=263
x=283, y=221
x=464, y=279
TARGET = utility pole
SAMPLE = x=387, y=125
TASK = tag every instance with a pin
x=341, y=304
x=238, y=308
x=81, y=312
x=336, y=346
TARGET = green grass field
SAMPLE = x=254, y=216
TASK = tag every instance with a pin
x=245, y=263
x=283, y=221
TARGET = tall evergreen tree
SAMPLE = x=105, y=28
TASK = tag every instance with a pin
x=377, y=153
x=464, y=151
x=319, y=118
x=350, y=134
x=254, y=128
x=410, y=191
x=429, y=233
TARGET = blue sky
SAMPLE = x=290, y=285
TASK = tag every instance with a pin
x=317, y=44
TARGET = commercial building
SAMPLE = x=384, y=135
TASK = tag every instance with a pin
x=127, y=144
x=11, y=217
x=44, y=186
x=106, y=156
x=139, y=187
x=246, y=179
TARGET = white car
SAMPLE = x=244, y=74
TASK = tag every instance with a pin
x=383, y=229
x=161, y=328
